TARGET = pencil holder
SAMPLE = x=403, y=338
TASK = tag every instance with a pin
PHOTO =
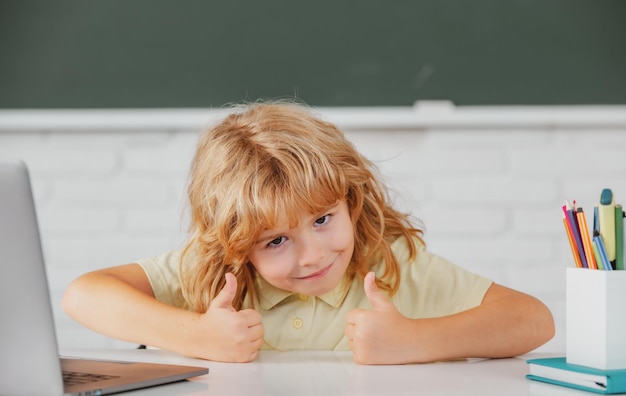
x=595, y=319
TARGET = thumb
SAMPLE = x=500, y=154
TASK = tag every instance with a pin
x=376, y=297
x=225, y=297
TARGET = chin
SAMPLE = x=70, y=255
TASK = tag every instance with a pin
x=321, y=290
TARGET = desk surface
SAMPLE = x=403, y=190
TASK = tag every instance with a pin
x=335, y=373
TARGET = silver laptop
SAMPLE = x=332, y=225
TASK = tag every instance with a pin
x=29, y=357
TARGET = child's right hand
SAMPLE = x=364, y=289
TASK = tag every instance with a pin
x=229, y=335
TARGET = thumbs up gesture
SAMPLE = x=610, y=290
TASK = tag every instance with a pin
x=378, y=335
x=229, y=335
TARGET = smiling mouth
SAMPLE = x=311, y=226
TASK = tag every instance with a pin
x=316, y=275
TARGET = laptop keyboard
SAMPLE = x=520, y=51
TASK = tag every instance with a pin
x=76, y=378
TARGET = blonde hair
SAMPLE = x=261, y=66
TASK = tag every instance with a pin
x=271, y=160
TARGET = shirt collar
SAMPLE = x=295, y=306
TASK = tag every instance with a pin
x=270, y=296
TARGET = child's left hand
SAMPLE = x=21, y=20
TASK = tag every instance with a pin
x=377, y=335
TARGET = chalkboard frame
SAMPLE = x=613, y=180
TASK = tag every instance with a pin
x=186, y=54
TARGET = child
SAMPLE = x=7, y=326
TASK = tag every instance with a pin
x=294, y=245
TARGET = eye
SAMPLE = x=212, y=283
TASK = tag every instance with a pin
x=276, y=242
x=322, y=220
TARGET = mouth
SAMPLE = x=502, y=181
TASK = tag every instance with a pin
x=316, y=275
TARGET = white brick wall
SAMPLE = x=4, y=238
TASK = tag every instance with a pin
x=487, y=182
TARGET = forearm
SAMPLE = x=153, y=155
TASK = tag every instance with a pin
x=507, y=326
x=507, y=323
x=112, y=307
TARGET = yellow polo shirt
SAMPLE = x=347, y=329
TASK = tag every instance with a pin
x=430, y=286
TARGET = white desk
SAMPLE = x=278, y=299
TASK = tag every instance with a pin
x=335, y=373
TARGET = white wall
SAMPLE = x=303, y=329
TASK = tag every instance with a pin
x=487, y=181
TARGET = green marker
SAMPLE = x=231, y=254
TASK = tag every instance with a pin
x=606, y=221
x=619, y=237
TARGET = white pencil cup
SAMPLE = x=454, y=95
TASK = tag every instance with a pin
x=596, y=318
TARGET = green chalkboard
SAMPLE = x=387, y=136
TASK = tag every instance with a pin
x=157, y=53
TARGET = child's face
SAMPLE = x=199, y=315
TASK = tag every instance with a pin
x=310, y=258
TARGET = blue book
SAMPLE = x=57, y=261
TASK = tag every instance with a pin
x=557, y=371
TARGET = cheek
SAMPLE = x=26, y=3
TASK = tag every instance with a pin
x=268, y=266
x=343, y=241
x=344, y=237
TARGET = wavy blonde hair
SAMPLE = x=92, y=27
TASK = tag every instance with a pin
x=266, y=161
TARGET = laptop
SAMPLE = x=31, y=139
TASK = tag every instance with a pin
x=29, y=358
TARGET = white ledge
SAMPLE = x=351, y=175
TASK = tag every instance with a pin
x=425, y=115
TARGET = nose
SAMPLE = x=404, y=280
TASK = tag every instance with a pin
x=310, y=251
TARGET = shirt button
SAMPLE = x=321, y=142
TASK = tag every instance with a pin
x=303, y=297
x=297, y=323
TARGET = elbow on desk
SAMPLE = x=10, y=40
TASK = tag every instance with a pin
x=82, y=296
x=539, y=322
x=72, y=297
x=548, y=328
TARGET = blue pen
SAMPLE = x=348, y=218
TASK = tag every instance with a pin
x=597, y=240
x=596, y=223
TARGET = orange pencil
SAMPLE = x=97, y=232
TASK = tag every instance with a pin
x=584, y=234
x=572, y=244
